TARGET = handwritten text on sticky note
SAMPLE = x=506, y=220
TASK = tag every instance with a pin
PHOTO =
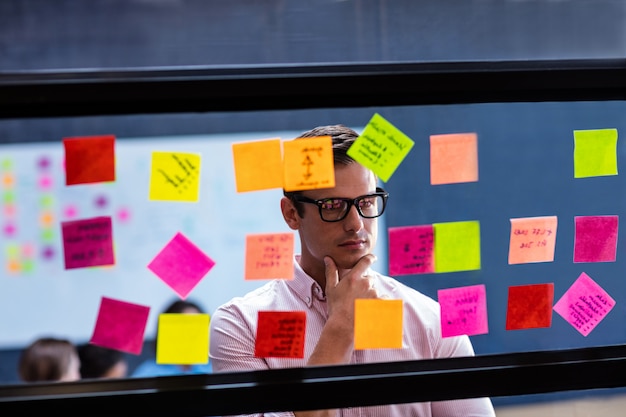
x=463, y=310
x=532, y=239
x=175, y=176
x=584, y=304
x=308, y=164
x=381, y=147
x=269, y=256
x=280, y=334
x=88, y=242
x=411, y=250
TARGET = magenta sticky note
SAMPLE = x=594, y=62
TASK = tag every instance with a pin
x=120, y=325
x=463, y=310
x=181, y=265
x=595, y=238
x=411, y=250
x=584, y=304
x=88, y=242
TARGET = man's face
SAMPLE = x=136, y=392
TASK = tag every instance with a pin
x=347, y=240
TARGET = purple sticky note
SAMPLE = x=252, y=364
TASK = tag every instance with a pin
x=463, y=310
x=181, y=265
x=411, y=250
x=584, y=304
x=88, y=242
x=595, y=239
x=120, y=325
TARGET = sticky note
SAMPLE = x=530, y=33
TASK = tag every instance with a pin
x=595, y=238
x=269, y=255
x=89, y=159
x=308, y=164
x=411, y=250
x=181, y=265
x=183, y=339
x=584, y=305
x=529, y=306
x=280, y=334
x=457, y=246
x=381, y=147
x=595, y=152
x=377, y=324
x=258, y=165
x=120, y=325
x=453, y=158
x=532, y=239
x=175, y=176
x=88, y=242
x=463, y=310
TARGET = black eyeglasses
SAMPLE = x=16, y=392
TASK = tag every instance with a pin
x=334, y=209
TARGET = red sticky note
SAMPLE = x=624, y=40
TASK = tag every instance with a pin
x=269, y=256
x=120, y=325
x=280, y=334
x=88, y=242
x=89, y=159
x=584, y=304
x=463, y=310
x=411, y=250
x=595, y=238
x=181, y=265
x=529, y=306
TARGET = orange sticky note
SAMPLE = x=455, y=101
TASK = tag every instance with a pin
x=258, y=165
x=269, y=256
x=280, y=334
x=453, y=158
x=377, y=324
x=308, y=164
x=532, y=239
x=89, y=159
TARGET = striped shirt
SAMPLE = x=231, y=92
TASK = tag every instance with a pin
x=233, y=331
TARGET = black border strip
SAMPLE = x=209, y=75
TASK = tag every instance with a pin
x=226, y=89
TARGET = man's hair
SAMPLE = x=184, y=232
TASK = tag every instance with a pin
x=342, y=138
x=46, y=359
x=96, y=361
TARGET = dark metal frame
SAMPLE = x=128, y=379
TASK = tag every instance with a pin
x=150, y=91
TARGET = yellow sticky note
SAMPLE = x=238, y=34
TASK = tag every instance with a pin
x=381, y=147
x=457, y=246
x=269, y=256
x=308, y=164
x=532, y=239
x=258, y=165
x=183, y=339
x=377, y=324
x=453, y=158
x=595, y=153
x=175, y=176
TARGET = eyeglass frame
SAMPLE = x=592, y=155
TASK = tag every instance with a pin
x=380, y=192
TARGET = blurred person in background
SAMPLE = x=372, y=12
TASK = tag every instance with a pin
x=101, y=362
x=49, y=359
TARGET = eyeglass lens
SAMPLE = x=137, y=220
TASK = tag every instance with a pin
x=336, y=209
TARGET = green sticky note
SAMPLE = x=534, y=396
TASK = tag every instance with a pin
x=595, y=153
x=381, y=147
x=183, y=339
x=457, y=246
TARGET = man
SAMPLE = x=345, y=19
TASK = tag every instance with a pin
x=338, y=229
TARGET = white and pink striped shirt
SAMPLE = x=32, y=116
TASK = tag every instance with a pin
x=233, y=331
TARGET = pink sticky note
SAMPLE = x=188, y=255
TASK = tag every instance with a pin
x=120, y=325
x=595, y=238
x=584, y=304
x=181, y=265
x=463, y=310
x=411, y=250
x=88, y=242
